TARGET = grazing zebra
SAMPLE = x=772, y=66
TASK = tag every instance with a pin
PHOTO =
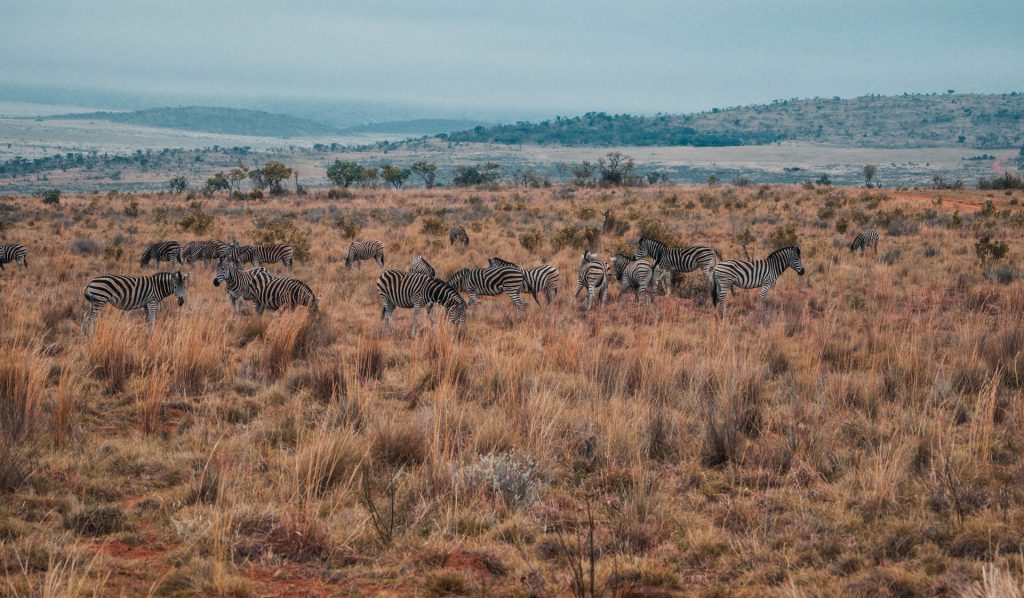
x=275, y=292
x=238, y=283
x=593, y=277
x=364, y=250
x=257, y=255
x=131, y=292
x=161, y=251
x=213, y=249
x=687, y=259
x=868, y=238
x=420, y=265
x=488, y=282
x=539, y=279
x=458, y=234
x=416, y=291
x=637, y=275
x=749, y=275
x=13, y=253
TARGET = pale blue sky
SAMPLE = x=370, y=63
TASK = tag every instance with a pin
x=523, y=57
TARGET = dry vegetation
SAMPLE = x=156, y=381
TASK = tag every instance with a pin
x=861, y=435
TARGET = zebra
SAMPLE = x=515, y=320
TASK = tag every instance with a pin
x=131, y=292
x=13, y=253
x=636, y=274
x=420, y=265
x=364, y=250
x=749, y=275
x=204, y=250
x=257, y=255
x=458, y=234
x=539, y=279
x=654, y=248
x=161, y=251
x=274, y=292
x=416, y=291
x=489, y=282
x=593, y=277
x=237, y=282
x=868, y=238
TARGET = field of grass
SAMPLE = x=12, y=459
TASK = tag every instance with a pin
x=861, y=434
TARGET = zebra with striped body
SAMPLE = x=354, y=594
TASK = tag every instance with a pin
x=458, y=234
x=238, y=283
x=275, y=292
x=257, y=255
x=416, y=291
x=750, y=275
x=364, y=250
x=637, y=275
x=161, y=251
x=420, y=265
x=194, y=251
x=131, y=292
x=13, y=253
x=594, y=278
x=489, y=282
x=863, y=240
x=539, y=279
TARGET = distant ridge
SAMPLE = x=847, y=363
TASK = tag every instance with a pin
x=417, y=126
x=974, y=120
x=228, y=121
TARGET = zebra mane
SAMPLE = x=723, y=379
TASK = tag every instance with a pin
x=784, y=250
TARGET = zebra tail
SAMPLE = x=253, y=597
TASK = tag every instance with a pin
x=715, y=287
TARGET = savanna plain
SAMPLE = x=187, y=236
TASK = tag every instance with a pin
x=859, y=434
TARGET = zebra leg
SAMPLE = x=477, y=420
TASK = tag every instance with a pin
x=516, y=300
x=151, y=309
x=763, y=292
x=430, y=314
x=415, y=316
x=256, y=305
x=89, y=321
x=472, y=299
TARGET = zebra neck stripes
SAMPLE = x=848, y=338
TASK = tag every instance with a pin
x=748, y=275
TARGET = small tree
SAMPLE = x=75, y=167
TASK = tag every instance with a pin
x=178, y=184
x=616, y=168
x=52, y=197
x=426, y=171
x=870, y=171
x=271, y=176
x=218, y=182
x=368, y=177
x=394, y=176
x=583, y=175
x=343, y=173
x=237, y=175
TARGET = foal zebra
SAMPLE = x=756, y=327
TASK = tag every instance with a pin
x=194, y=251
x=238, y=283
x=593, y=277
x=364, y=250
x=131, y=292
x=539, y=279
x=637, y=275
x=420, y=265
x=416, y=291
x=489, y=282
x=161, y=251
x=13, y=253
x=257, y=255
x=868, y=238
x=458, y=234
x=749, y=275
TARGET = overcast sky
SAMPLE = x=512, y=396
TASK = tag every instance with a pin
x=554, y=56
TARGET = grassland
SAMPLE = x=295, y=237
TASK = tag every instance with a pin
x=862, y=434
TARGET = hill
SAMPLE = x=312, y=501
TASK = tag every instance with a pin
x=230, y=121
x=416, y=126
x=975, y=120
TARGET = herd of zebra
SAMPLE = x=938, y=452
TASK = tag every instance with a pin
x=419, y=287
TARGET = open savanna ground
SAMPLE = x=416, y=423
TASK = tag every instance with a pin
x=860, y=434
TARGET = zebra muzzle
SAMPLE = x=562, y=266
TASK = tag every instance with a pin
x=181, y=301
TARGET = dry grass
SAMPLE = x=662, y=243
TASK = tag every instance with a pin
x=862, y=434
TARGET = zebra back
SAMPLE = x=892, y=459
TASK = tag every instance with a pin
x=647, y=246
x=13, y=252
x=458, y=233
x=364, y=250
x=420, y=265
x=162, y=251
x=494, y=262
x=400, y=288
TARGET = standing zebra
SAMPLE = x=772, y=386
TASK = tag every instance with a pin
x=238, y=283
x=458, y=234
x=275, y=292
x=13, y=253
x=749, y=275
x=161, y=251
x=637, y=275
x=489, y=282
x=420, y=265
x=364, y=250
x=131, y=292
x=687, y=259
x=654, y=248
x=539, y=279
x=194, y=251
x=868, y=238
x=416, y=291
x=593, y=277
x=257, y=255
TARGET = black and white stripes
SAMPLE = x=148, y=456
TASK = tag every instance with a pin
x=539, y=279
x=488, y=282
x=364, y=250
x=457, y=234
x=131, y=292
x=416, y=291
x=257, y=255
x=13, y=253
x=420, y=265
x=194, y=251
x=636, y=275
x=863, y=240
x=593, y=277
x=748, y=275
x=238, y=283
x=161, y=251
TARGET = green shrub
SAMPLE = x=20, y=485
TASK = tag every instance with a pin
x=195, y=220
x=348, y=226
x=433, y=226
x=51, y=197
x=655, y=228
x=784, y=236
x=532, y=241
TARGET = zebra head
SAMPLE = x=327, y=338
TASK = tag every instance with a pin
x=232, y=251
x=225, y=270
x=857, y=243
x=495, y=262
x=791, y=258
x=178, y=282
x=146, y=255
